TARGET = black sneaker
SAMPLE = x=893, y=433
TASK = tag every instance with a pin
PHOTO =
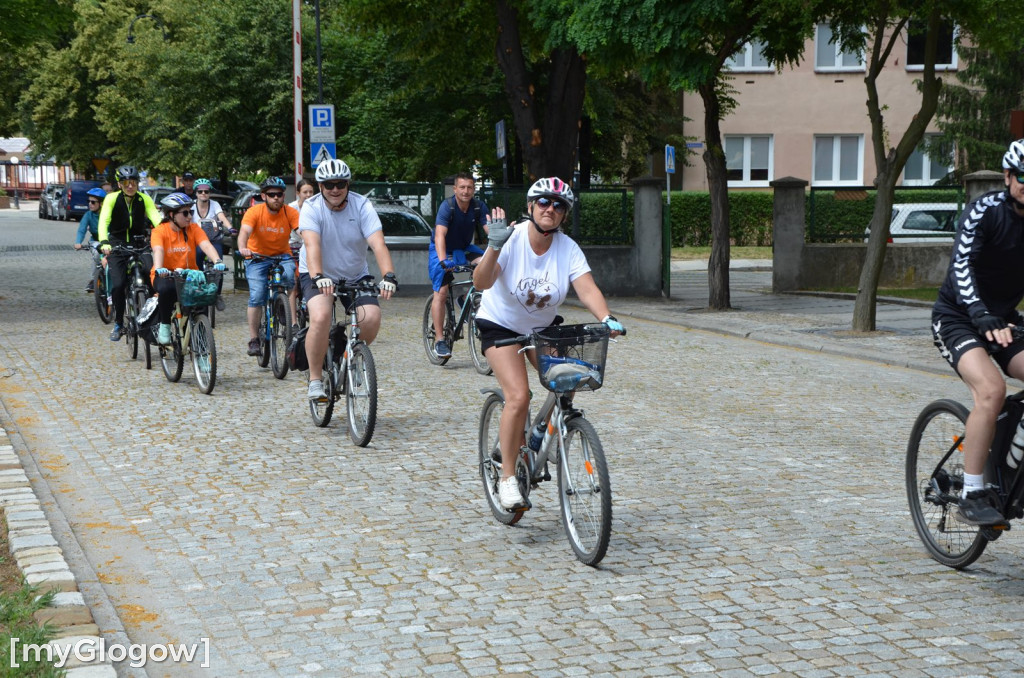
x=979, y=508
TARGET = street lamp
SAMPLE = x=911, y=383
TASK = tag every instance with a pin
x=14, y=164
x=159, y=22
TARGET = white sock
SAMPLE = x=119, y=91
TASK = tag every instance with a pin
x=973, y=482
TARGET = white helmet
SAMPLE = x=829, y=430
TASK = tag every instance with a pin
x=333, y=170
x=1014, y=158
x=551, y=187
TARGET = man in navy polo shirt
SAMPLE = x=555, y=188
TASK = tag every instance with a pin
x=452, y=244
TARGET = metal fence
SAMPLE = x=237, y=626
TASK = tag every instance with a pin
x=27, y=181
x=843, y=213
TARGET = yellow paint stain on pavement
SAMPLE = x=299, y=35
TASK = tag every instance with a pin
x=108, y=578
x=136, y=614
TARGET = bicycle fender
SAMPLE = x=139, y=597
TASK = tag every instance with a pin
x=495, y=391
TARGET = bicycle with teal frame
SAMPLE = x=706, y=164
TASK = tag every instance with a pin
x=460, y=308
x=275, y=333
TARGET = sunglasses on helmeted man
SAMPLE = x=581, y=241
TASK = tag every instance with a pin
x=94, y=202
x=332, y=185
x=545, y=203
x=201, y=191
x=275, y=194
x=1020, y=178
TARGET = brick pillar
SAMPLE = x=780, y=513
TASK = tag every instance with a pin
x=979, y=183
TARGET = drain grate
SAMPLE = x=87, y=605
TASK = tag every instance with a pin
x=34, y=248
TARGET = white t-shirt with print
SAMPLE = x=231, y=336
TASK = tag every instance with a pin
x=530, y=288
x=342, y=235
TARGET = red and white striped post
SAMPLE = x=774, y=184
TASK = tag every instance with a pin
x=297, y=78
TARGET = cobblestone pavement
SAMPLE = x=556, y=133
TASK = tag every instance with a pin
x=760, y=518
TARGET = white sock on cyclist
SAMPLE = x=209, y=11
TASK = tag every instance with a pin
x=973, y=482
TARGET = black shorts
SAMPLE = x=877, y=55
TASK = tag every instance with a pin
x=492, y=332
x=955, y=335
x=310, y=290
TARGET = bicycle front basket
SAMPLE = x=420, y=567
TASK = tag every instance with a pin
x=195, y=293
x=572, y=357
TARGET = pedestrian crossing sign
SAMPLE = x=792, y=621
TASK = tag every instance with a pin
x=321, y=152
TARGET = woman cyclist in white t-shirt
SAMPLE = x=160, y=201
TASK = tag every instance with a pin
x=526, y=273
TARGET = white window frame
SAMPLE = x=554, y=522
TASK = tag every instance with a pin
x=838, y=54
x=833, y=181
x=746, y=181
x=742, y=60
x=926, y=180
x=954, y=65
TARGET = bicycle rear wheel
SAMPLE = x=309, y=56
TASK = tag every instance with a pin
x=934, y=479
x=585, y=493
x=280, y=335
x=321, y=410
x=430, y=336
x=172, y=360
x=263, y=358
x=489, y=450
x=100, y=295
x=204, y=353
x=361, y=395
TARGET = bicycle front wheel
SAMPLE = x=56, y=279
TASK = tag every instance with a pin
x=489, y=449
x=934, y=479
x=430, y=336
x=280, y=335
x=321, y=410
x=204, y=353
x=100, y=295
x=138, y=300
x=479, y=359
x=361, y=395
x=172, y=360
x=584, y=490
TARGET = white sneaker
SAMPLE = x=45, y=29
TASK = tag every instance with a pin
x=163, y=334
x=509, y=495
x=316, y=391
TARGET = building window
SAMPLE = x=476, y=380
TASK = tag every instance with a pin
x=945, y=57
x=923, y=170
x=748, y=160
x=828, y=56
x=748, y=58
x=839, y=159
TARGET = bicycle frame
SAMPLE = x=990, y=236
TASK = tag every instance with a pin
x=460, y=322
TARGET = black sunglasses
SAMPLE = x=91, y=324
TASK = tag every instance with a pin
x=545, y=203
x=1020, y=178
x=184, y=211
x=93, y=202
x=203, y=192
x=275, y=194
x=332, y=185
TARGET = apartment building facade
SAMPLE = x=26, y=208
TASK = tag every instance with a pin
x=810, y=120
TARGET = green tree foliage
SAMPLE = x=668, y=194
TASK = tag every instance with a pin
x=974, y=110
x=28, y=28
x=685, y=46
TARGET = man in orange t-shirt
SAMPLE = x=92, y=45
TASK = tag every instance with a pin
x=266, y=230
x=174, y=245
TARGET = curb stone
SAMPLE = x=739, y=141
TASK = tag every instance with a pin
x=41, y=561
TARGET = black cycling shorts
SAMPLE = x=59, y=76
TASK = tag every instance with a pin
x=492, y=332
x=310, y=290
x=954, y=336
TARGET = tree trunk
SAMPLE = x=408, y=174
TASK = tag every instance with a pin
x=549, y=147
x=718, y=188
x=889, y=163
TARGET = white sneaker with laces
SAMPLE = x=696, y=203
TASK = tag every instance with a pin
x=509, y=495
x=316, y=391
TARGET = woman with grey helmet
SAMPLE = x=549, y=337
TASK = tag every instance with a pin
x=971, y=322
x=525, y=275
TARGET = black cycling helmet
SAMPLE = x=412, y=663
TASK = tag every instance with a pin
x=272, y=182
x=125, y=172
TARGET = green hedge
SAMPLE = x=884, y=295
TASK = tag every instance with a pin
x=834, y=216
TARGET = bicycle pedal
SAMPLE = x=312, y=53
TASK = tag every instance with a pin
x=521, y=508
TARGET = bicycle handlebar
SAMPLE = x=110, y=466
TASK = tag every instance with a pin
x=461, y=268
x=276, y=258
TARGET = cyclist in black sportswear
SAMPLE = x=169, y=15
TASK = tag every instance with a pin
x=970, y=321
x=124, y=214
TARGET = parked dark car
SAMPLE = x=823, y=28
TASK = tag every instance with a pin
x=48, y=201
x=402, y=225
x=232, y=188
x=75, y=199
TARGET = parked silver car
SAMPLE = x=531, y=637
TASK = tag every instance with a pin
x=48, y=201
x=933, y=222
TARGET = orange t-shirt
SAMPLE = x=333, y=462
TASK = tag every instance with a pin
x=270, y=232
x=179, y=251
